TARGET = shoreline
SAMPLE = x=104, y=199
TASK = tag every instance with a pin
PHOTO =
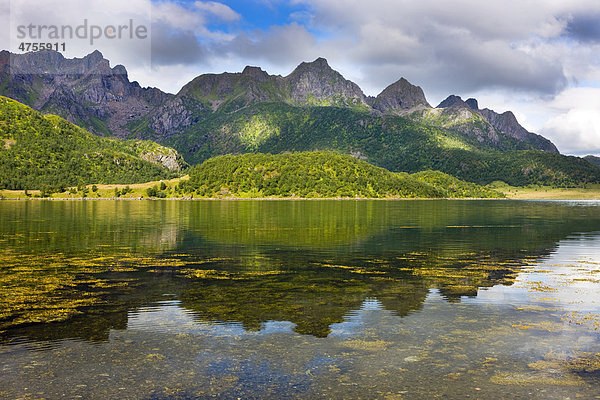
x=239, y=198
x=138, y=192
x=519, y=198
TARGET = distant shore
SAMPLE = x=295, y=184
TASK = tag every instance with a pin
x=139, y=192
x=547, y=193
x=526, y=194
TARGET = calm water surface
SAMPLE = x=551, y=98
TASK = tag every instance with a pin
x=299, y=299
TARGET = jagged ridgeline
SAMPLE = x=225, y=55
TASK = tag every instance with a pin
x=396, y=143
x=320, y=174
x=45, y=151
x=312, y=108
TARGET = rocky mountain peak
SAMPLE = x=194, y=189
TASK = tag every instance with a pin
x=120, y=70
x=472, y=103
x=94, y=57
x=84, y=90
x=507, y=123
x=317, y=83
x=320, y=64
x=453, y=101
x=256, y=73
x=400, y=96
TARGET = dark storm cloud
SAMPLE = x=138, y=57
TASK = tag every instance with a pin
x=585, y=28
x=171, y=46
x=280, y=45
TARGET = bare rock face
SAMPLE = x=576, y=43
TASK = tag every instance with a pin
x=256, y=73
x=453, y=101
x=507, y=123
x=400, y=97
x=171, y=118
x=84, y=90
x=472, y=103
x=167, y=157
x=316, y=83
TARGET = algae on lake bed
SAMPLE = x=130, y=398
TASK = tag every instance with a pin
x=385, y=299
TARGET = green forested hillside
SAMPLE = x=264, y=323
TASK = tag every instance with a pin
x=38, y=151
x=319, y=174
x=593, y=160
x=391, y=142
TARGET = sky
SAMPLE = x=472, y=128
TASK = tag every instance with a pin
x=537, y=58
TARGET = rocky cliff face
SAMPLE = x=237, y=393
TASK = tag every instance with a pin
x=507, y=123
x=400, y=97
x=486, y=125
x=166, y=157
x=455, y=114
x=86, y=91
x=453, y=101
x=316, y=83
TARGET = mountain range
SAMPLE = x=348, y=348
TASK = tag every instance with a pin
x=312, y=108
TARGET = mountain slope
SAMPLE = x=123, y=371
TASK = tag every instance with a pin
x=89, y=93
x=593, y=160
x=501, y=131
x=85, y=91
x=392, y=142
x=319, y=174
x=46, y=151
x=312, y=108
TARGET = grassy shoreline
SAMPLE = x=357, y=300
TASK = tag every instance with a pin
x=138, y=192
x=592, y=192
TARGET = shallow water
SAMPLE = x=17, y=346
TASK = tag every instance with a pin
x=300, y=299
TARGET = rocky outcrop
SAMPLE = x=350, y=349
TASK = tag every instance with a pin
x=316, y=83
x=167, y=158
x=507, y=123
x=400, y=97
x=171, y=118
x=453, y=101
x=493, y=124
x=472, y=103
x=256, y=73
x=86, y=91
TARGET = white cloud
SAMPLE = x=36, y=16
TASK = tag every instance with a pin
x=575, y=128
x=85, y=19
x=219, y=10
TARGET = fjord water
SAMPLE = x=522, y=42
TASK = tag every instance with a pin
x=299, y=299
